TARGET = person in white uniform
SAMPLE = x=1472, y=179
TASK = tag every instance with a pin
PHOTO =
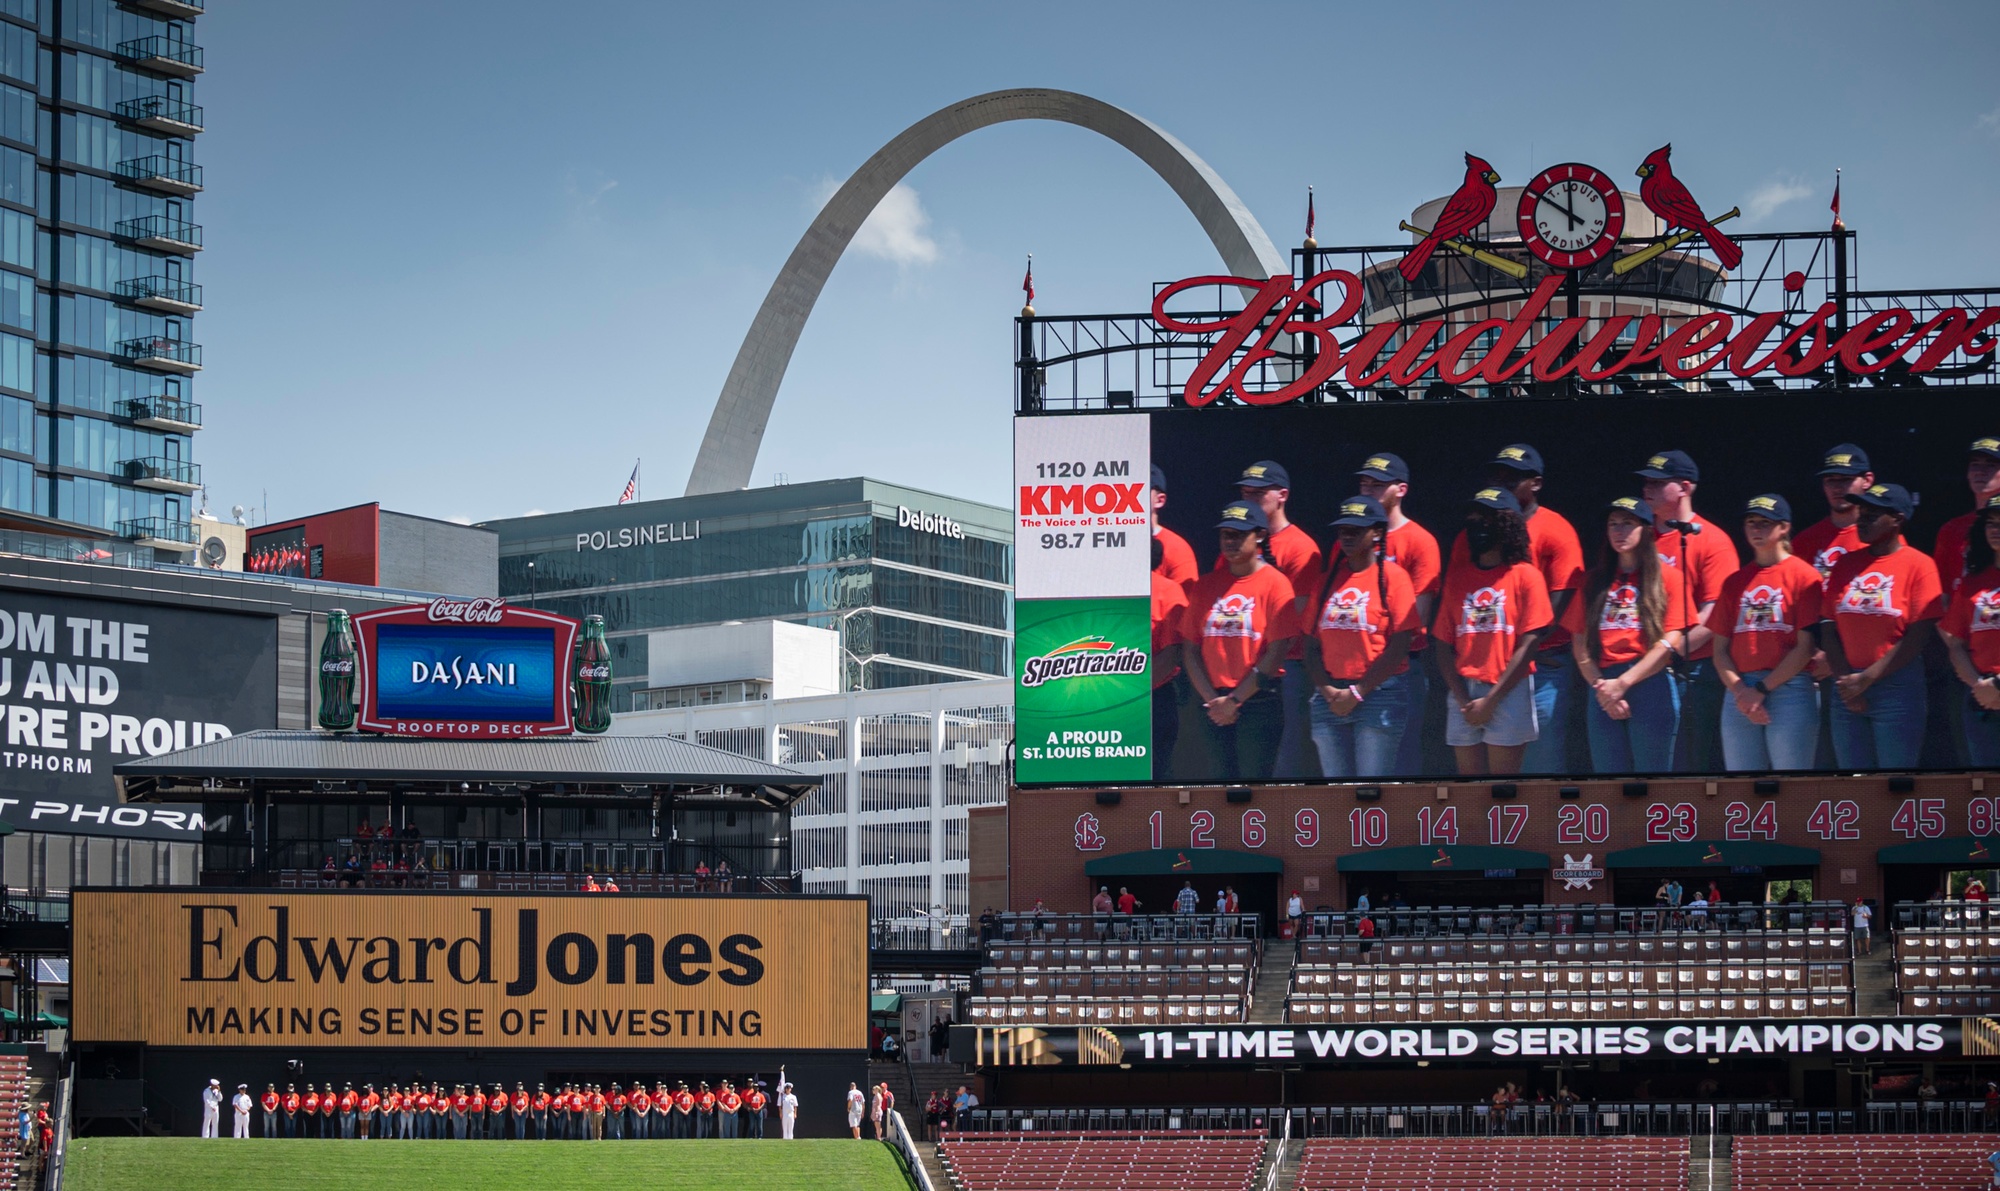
x=788, y=1108
x=241, y=1103
x=211, y=1108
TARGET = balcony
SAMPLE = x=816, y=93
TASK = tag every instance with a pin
x=161, y=234
x=159, y=533
x=161, y=173
x=162, y=55
x=163, y=475
x=162, y=354
x=160, y=412
x=157, y=113
x=170, y=294
x=185, y=10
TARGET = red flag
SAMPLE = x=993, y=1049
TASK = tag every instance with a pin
x=1838, y=223
x=1309, y=212
x=631, y=492
x=1028, y=282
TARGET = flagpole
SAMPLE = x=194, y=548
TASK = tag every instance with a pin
x=1839, y=281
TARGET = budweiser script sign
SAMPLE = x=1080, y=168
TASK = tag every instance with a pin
x=480, y=611
x=1701, y=343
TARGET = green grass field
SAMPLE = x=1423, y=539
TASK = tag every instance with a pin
x=172, y=1163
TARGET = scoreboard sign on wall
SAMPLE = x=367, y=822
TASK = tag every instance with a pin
x=259, y=969
x=464, y=669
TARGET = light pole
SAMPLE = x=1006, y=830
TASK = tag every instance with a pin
x=531, y=583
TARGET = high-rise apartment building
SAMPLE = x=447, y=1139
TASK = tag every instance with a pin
x=97, y=291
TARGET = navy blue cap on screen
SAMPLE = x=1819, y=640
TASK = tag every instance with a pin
x=1893, y=497
x=1159, y=479
x=1844, y=460
x=1361, y=510
x=1519, y=456
x=1264, y=474
x=1242, y=515
x=1390, y=469
x=1636, y=509
x=1497, y=498
x=1670, y=465
x=1771, y=506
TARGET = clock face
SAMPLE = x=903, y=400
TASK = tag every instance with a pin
x=1571, y=216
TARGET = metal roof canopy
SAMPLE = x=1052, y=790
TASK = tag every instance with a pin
x=329, y=767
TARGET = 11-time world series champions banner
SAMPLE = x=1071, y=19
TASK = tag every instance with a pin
x=1082, y=614
x=198, y=967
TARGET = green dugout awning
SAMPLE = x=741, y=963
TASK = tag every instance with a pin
x=884, y=1003
x=1713, y=853
x=1189, y=862
x=1444, y=858
x=1973, y=851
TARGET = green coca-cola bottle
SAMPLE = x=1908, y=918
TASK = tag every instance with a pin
x=591, y=692
x=336, y=674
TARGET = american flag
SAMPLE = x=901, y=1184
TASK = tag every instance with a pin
x=1838, y=223
x=631, y=492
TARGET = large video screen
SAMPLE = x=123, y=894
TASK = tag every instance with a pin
x=1518, y=620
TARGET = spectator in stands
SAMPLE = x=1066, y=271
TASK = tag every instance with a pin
x=962, y=1106
x=935, y=1110
x=590, y=884
x=1396, y=901
x=1365, y=931
x=328, y=873
x=364, y=831
x=1975, y=890
x=1714, y=894
x=421, y=871
x=1222, y=900
x=1927, y=1091
x=1993, y=1160
x=940, y=1038
x=1101, y=905
x=725, y=881
x=892, y=1048
x=1864, y=920
x=876, y=1034
x=1660, y=893
x=1234, y=905
x=350, y=871
x=989, y=926
x=1361, y=906
x=1187, y=901
x=1295, y=910
x=1698, y=911
x=1040, y=922
x=1992, y=1113
x=701, y=876
x=1127, y=904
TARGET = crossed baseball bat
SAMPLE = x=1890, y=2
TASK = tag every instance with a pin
x=1625, y=264
x=1514, y=269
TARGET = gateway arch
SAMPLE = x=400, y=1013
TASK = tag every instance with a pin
x=736, y=428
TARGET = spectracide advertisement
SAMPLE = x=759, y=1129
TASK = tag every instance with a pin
x=1083, y=690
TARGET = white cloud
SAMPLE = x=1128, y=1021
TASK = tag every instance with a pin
x=898, y=230
x=1774, y=194
x=457, y=520
x=1990, y=123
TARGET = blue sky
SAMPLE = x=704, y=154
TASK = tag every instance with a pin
x=470, y=259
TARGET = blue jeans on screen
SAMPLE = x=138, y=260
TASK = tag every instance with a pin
x=1643, y=743
x=1787, y=742
x=1890, y=734
x=1982, y=735
x=1417, y=692
x=1296, y=761
x=1365, y=742
x=1556, y=688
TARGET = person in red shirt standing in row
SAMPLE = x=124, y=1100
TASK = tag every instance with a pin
x=1385, y=478
x=1883, y=603
x=1493, y=616
x=1357, y=648
x=1174, y=559
x=1705, y=557
x=1625, y=630
x=1556, y=553
x=1844, y=470
x=1764, y=624
x=1169, y=606
x=1982, y=464
x=1972, y=633
x=1240, y=619
x=1293, y=551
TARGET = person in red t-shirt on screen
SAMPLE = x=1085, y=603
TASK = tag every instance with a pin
x=1982, y=468
x=1174, y=558
x=1705, y=557
x=1493, y=616
x=1843, y=471
x=1386, y=479
x=1240, y=619
x=1293, y=551
x=1556, y=552
x=1624, y=631
x=1169, y=606
x=1764, y=624
x=1884, y=602
x=1971, y=629
x=1358, y=646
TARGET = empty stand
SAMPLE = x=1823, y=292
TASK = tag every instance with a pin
x=1496, y=1164
x=1947, y=959
x=1102, y=1161
x=1932, y=1161
x=1114, y=983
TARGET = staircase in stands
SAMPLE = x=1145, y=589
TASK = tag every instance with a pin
x=1875, y=983
x=1709, y=1167
x=1274, y=980
x=13, y=1094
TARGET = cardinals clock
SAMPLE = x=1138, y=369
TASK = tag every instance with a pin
x=1571, y=216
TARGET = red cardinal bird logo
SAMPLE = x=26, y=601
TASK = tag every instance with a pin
x=1670, y=200
x=1467, y=209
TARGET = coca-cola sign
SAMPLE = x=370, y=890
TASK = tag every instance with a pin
x=465, y=669
x=480, y=611
x=1528, y=346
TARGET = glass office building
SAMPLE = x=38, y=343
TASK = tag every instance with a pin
x=97, y=247
x=918, y=585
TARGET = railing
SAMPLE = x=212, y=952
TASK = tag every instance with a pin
x=159, y=228
x=1946, y=915
x=946, y=933
x=161, y=49
x=109, y=551
x=158, y=347
x=159, y=529
x=20, y=908
x=166, y=289
x=160, y=408
x=159, y=107
x=55, y=1159
x=899, y=1134
x=1545, y=1118
x=1026, y=926
x=1278, y=1156
x=1435, y=921
x=173, y=471
x=160, y=167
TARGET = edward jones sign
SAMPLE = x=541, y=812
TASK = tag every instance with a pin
x=254, y=969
